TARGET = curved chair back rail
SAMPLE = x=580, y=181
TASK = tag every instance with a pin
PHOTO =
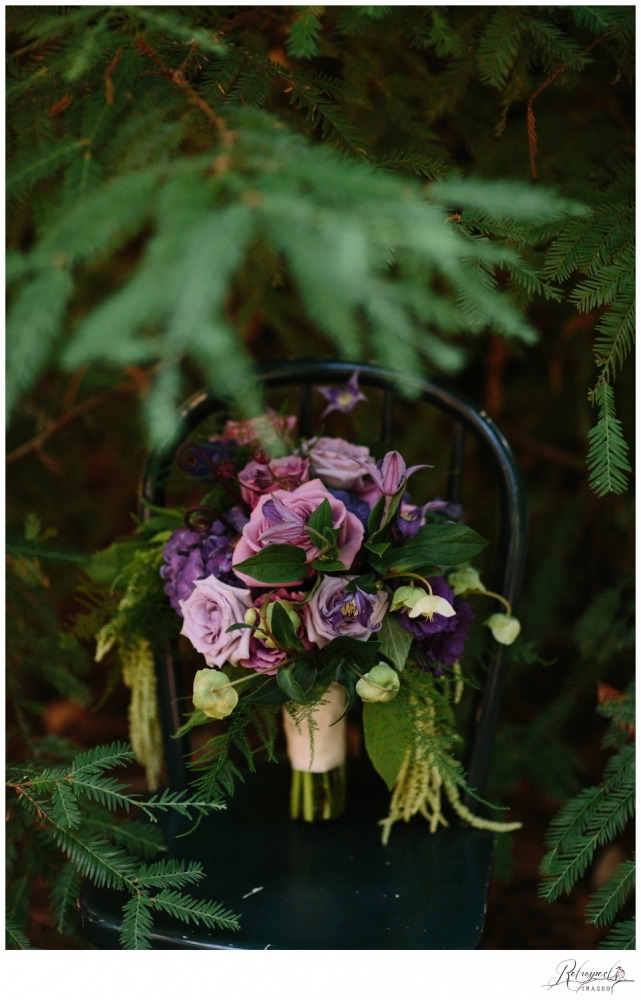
x=513, y=535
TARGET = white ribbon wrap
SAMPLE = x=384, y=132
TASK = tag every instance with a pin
x=330, y=742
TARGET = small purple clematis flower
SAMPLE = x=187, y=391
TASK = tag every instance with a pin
x=410, y=518
x=390, y=474
x=343, y=400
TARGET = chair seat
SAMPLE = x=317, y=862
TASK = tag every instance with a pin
x=330, y=885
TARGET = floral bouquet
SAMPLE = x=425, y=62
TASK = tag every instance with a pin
x=307, y=578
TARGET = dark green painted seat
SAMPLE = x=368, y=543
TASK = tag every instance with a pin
x=333, y=885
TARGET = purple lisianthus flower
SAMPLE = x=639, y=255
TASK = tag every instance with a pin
x=333, y=611
x=343, y=400
x=441, y=639
x=218, y=451
x=352, y=503
x=192, y=555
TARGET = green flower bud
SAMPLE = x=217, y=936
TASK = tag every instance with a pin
x=213, y=694
x=505, y=629
x=465, y=578
x=380, y=684
x=251, y=616
x=288, y=607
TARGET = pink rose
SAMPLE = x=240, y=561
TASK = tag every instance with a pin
x=281, y=518
x=333, y=611
x=280, y=474
x=266, y=429
x=261, y=657
x=336, y=462
x=209, y=610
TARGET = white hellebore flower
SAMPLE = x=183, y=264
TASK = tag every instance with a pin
x=465, y=578
x=505, y=629
x=380, y=684
x=420, y=602
x=209, y=697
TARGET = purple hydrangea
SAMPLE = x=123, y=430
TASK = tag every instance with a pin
x=353, y=503
x=192, y=555
x=443, y=639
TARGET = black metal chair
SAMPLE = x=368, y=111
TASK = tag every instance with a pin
x=333, y=885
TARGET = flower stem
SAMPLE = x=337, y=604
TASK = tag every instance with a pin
x=315, y=796
x=490, y=593
x=414, y=576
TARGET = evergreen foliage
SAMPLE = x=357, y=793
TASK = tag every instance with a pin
x=100, y=141
x=126, y=124
x=54, y=808
x=595, y=817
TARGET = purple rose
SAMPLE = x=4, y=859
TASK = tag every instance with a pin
x=441, y=639
x=191, y=555
x=209, y=611
x=281, y=518
x=333, y=612
x=338, y=463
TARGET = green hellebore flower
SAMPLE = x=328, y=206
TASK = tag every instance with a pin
x=505, y=629
x=420, y=602
x=381, y=676
x=213, y=694
x=465, y=578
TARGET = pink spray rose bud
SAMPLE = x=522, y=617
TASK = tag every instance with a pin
x=209, y=611
x=281, y=518
x=258, y=478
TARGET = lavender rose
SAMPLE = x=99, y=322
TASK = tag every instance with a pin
x=212, y=607
x=191, y=555
x=281, y=518
x=333, y=612
x=441, y=639
x=256, y=479
x=336, y=462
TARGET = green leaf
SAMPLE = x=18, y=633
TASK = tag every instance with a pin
x=269, y=693
x=444, y=544
x=378, y=548
x=605, y=903
x=346, y=647
x=395, y=640
x=296, y=681
x=375, y=517
x=349, y=680
x=275, y=564
x=188, y=909
x=283, y=630
x=388, y=733
x=135, y=931
x=365, y=583
x=65, y=806
x=608, y=455
x=622, y=937
x=321, y=523
x=303, y=37
x=196, y=718
x=329, y=565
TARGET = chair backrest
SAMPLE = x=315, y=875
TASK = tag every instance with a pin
x=466, y=418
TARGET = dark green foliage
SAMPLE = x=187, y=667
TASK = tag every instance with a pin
x=593, y=818
x=54, y=807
